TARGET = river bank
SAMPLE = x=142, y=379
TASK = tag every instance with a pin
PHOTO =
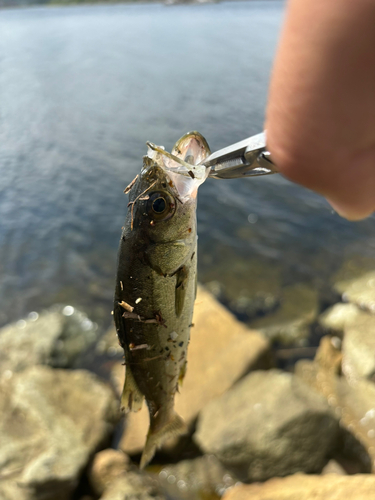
x=249, y=421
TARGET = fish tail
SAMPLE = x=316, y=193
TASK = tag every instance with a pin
x=157, y=434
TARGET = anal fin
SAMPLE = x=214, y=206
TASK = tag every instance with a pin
x=131, y=398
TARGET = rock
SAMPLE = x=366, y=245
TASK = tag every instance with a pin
x=357, y=328
x=133, y=486
x=268, y=424
x=333, y=467
x=353, y=403
x=358, y=348
x=221, y=351
x=57, y=337
x=109, y=344
x=107, y=466
x=201, y=477
x=290, y=323
x=359, y=291
x=336, y=317
x=247, y=299
x=304, y=487
x=51, y=423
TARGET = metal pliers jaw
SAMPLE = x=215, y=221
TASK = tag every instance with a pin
x=247, y=158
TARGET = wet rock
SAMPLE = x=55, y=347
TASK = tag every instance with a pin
x=269, y=424
x=304, y=487
x=107, y=466
x=193, y=479
x=290, y=323
x=221, y=351
x=258, y=295
x=133, y=486
x=51, y=423
x=57, y=337
x=353, y=403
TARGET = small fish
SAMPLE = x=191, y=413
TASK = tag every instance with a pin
x=157, y=261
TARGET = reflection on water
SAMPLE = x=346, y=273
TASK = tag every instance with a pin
x=82, y=89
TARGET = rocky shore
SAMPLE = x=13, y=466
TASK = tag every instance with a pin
x=255, y=431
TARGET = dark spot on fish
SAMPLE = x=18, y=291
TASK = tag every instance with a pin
x=167, y=348
x=189, y=229
x=191, y=325
x=192, y=256
x=181, y=344
x=191, y=174
x=123, y=238
x=161, y=351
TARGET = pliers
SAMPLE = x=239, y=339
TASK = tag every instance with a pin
x=246, y=158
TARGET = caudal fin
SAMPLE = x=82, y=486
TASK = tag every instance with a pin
x=173, y=427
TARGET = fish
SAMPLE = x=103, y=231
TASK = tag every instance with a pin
x=156, y=283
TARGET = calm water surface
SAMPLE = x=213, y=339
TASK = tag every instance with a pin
x=82, y=89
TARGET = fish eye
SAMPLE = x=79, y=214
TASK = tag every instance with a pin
x=160, y=206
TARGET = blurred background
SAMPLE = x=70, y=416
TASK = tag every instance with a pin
x=82, y=89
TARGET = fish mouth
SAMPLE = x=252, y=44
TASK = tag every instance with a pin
x=182, y=166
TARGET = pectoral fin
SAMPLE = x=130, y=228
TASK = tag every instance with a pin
x=132, y=398
x=181, y=282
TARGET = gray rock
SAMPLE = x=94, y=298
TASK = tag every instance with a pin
x=199, y=478
x=290, y=323
x=133, y=486
x=51, y=423
x=359, y=291
x=57, y=337
x=269, y=424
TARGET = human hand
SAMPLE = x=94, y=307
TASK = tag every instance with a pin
x=321, y=111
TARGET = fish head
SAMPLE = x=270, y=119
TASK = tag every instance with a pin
x=163, y=203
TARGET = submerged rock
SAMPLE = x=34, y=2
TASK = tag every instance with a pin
x=51, y=423
x=308, y=487
x=221, y=351
x=269, y=424
x=290, y=322
x=57, y=337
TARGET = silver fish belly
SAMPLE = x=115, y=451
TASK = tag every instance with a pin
x=156, y=286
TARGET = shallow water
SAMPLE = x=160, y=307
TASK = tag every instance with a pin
x=82, y=89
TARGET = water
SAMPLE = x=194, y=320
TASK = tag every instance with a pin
x=82, y=89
